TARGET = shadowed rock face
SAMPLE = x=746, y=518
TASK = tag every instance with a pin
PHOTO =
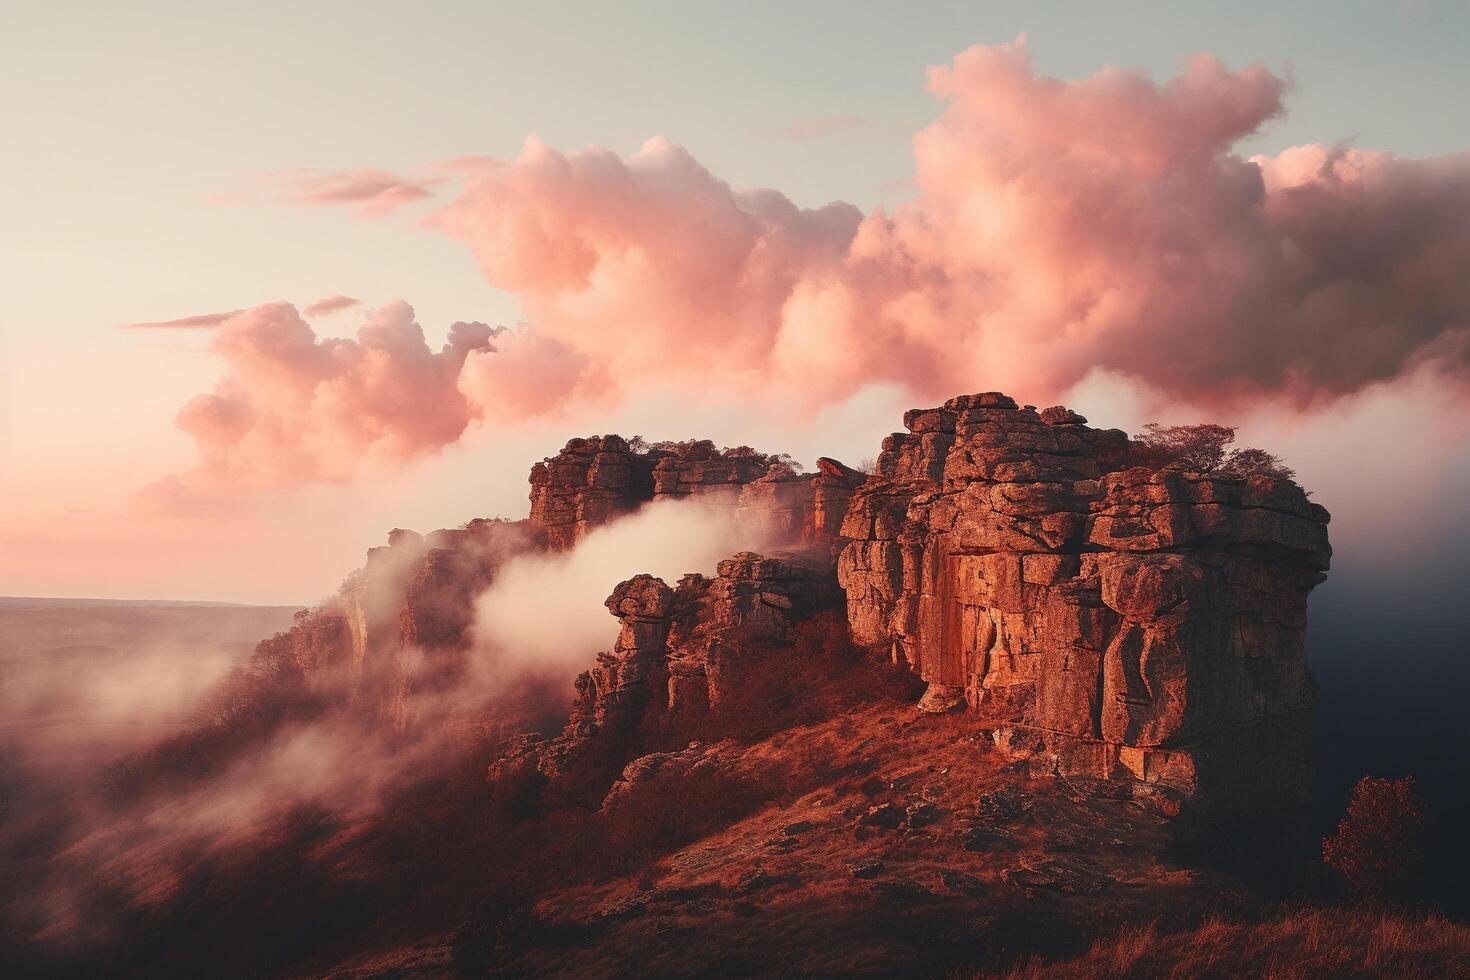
x=400, y=623
x=615, y=695
x=1117, y=622
x=751, y=604
x=681, y=657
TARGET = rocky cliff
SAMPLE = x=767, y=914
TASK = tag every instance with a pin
x=978, y=705
x=592, y=481
x=1088, y=615
x=399, y=624
x=1114, y=620
x=690, y=663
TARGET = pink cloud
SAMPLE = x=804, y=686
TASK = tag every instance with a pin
x=644, y=266
x=815, y=128
x=375, y=193
x=200, y=320
x=294, y=408
x=526, y=375
x=1058, y=229
x=330, y=304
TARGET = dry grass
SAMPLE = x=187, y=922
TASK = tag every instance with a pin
x=1301, y=944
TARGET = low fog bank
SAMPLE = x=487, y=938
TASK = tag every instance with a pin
x=81, y=679
x=545, y=612
x=227, y=758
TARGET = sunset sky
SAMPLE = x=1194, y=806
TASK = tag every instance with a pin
x=1256, y=214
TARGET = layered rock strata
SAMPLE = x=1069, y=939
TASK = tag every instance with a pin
x=592, y=481
x=399, y=625
x=682, y=657
x=1093, y=616
x=1114, y=621
x=679, y=652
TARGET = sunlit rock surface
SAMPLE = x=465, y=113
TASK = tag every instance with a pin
x=1090, y=615
x=1113, y=621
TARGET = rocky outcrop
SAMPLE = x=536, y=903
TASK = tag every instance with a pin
x=315, y=644
x=685, y=666
x=399, y=625
x=699, y=469
x=832, y=491
x=629, y=681
x=1110, y=620
x=724, y=624
x=1075, y=606
x=592, y=481
x=1088, y=614
x=800, y=508
x=588, y=483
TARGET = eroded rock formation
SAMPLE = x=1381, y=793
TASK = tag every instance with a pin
x=592, y=481
x=685, y=662
x=1114, y=621
x=723, y=625
x=1090, y=615
x=400, y=623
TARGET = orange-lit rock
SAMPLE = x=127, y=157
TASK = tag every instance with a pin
x=1120, y=621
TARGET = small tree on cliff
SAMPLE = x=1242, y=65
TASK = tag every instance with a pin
x=1376, y=846
x=783, y=464
x=1204, y=449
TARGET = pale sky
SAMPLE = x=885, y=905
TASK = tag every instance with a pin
x=137, y=135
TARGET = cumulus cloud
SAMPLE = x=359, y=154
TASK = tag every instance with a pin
x=293, y=407
x=527, y=375
x=330, y=304
x=1106, y=223
x=1058, y=229
x=645, y=266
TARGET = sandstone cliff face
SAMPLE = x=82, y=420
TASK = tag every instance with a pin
x=683, y=657
x=588, y=483
x=592, y=481
x=399, y=624
x=755, y=742
x=1119, y=622
x=723, y=625
x=1091, y=616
